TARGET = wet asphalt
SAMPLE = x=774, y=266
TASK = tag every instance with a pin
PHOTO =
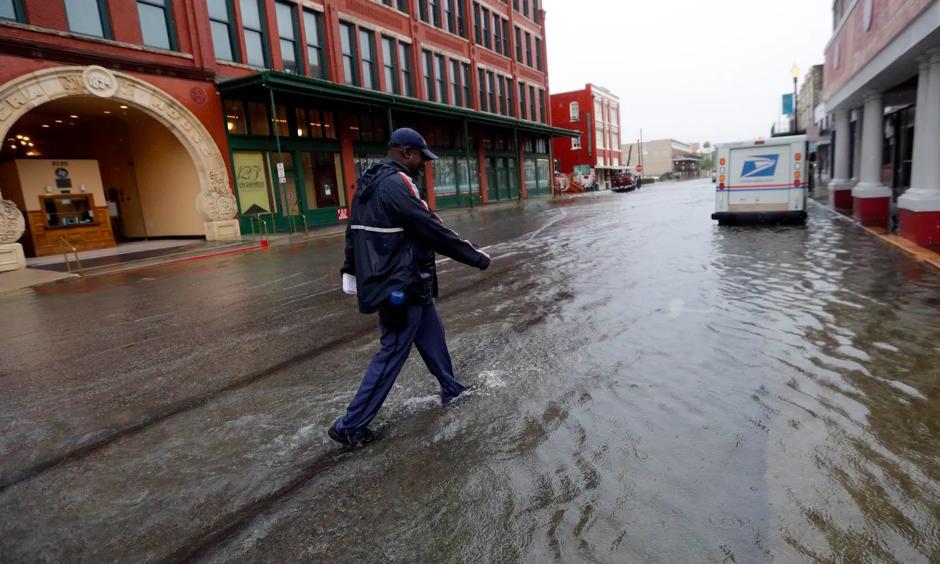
x=648, y=387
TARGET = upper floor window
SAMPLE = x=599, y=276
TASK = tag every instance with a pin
x=423, y=10
x=523, y=113
x=487, y=33
x=538, y=53
x=390, y=65
x=440, y=76
x=253, y=31
x=481, y=82
x=367, y=49
x=525, y=8
x=461, y=20
x=528, y=48
x=449, y=16
x=467, y=86
x=156, y=24
x=518, y=45
x=347, y=40
x=477, y=35
x=434, y=6
x=543, y=116
x=574, y=111
x=498, y=31
x=400, y=5
x=404, y=60
x=455, y=89
x=287, y=32
x=428, y=68
x=88, y=17
x=313, y=34
x=12, y=10
x=506, y=50
x=221, y=21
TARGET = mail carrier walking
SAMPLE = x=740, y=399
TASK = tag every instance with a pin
x=390, y=244
x=762, y=181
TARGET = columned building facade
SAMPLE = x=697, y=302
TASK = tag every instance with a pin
x=882, y=91
x=123, y=120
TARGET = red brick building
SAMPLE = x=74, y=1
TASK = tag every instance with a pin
x=595, y=113
x=259, y=111
x=882, y=91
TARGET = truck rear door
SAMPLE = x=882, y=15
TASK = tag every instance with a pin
x=759, y=178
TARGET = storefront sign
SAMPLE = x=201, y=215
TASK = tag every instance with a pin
x=251, y=182
x=342, y=214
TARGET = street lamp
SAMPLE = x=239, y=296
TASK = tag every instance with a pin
x=795, y=73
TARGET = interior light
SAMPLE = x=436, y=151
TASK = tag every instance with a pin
x=123, y=107
x=46, y=125
x=73, y=116
x=58, y=121
x=300, y=132
x=19, y=136
x=25, y=138
x=30, y=144
x=107, y=111
x=231, y=126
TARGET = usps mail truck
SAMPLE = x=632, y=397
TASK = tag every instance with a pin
x=763, y=181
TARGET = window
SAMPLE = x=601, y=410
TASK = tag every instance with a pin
x=235, y=118
x=487, y=33
x=88, y=17
x=491, y=90
x=156, y=23
x=401, y=5
x=525, y=8
x=615, y=116
x=390, y=65
x=538, y=53
x=518, y=45
x=476, y=24
x=506, y=50
x=404, y=60
x=449, y=16
x=509, y=97
x=423, y=10
x=347, y=41
x=502, y=95
x=543, y=116
x=574, y=112
x=287, y=32
x=428, y=69
x=601, y=143
x=455, y=90
x=481, y=78
x=576, y=143
x=223, y=32
x=497, y=29
x=253, y=31
x=467, y=86
x=12, y=10
x=435, y=6
x=441, y=77
x=528, y=48
x=367, y=54
x=313, y=32
x=535, y=116
x=461, y=20
x=522, y=107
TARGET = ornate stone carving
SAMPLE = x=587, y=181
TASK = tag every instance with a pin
x=12, y=223
x=100, y=81
x=215, y=202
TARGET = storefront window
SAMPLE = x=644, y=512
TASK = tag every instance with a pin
x=320, y=180
x=531, y=182
x=542, y=169
x=252, y=181
x=365, y=161
x=235, y=120
x=67, y=211
x=445, y=176
x=258, y=119
x=283, y=128
x=474, y=175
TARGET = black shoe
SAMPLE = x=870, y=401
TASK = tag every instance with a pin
x=447, y=398
x=349, y=438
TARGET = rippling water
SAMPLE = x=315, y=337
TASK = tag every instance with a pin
x=648, y=388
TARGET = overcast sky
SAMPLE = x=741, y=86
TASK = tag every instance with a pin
x=687, y=69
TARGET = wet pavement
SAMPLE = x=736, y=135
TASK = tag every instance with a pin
x=649, y=388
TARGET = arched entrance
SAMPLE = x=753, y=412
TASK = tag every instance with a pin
x=214, y=202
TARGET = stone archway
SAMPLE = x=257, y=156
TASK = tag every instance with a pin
x=215, y=202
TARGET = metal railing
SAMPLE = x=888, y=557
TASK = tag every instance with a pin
x=63, y=243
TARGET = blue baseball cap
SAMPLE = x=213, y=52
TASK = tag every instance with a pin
x=407, y=137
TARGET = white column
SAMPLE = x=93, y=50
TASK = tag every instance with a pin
x=857, y=139
x=870, y=185
x=924, y=194
x=840, y=166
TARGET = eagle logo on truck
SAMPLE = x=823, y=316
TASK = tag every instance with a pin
x=760, y=166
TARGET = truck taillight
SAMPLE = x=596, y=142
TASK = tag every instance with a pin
x=721, y=161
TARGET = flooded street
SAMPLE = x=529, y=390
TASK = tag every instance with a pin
x=648, y=387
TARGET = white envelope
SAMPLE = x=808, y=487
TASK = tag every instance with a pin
x=349, y=284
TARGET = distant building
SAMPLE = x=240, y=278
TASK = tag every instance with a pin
x=664, y=156
x=595, y=112
x=810, y=97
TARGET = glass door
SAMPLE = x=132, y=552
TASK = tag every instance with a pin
x=286, y=217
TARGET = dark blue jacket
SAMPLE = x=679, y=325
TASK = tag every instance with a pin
x=392, y=237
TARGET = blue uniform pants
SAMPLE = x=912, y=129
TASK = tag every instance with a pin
x=425, y=330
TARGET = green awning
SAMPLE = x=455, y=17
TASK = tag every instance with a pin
x=326, y=90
